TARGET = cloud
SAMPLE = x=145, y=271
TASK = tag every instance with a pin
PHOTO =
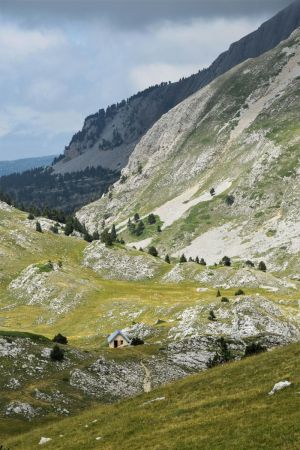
x=64, y=59
x=135, y=13
x=17, y=44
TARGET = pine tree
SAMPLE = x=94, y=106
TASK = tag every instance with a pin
x=96, y=236
x=182, y=259
x=218, y=294
x=30, y=216
x=106, y=238
x=158, y=228
x=69, y=228
x=152, y=251
x=136, y=217
x=167, y=259
x=38, y=227
x=151, y=219
x=113, y=233
x=197, y=260
x=262, y=266
x=202, y=262
x=211, y=315
x=57, y=354
x=140, y=228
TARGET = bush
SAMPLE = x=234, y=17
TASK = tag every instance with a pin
x=38, y=227
x=212, y=315
x=153, y=252
x=224, y=300
x=254, y=348
x=226, y=261
x=249, y=263
x=29, y=217
x=229, y=200
x=57, y=354
x=202, y=262
x=262, y=266
x=167, y=259
x=222, y=356
x=239, y=292
x=60, y=339
x=54, y=229
x=137, y=341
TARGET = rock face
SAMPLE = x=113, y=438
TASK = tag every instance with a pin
x=108, y=138
x=119, y=264
x=239, y=132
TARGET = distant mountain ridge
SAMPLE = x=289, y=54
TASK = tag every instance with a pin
x=20, y=165
x=109, y=137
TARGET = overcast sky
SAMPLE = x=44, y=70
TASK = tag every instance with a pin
x=61, y=60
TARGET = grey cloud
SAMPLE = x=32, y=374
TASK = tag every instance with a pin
x=134, y=13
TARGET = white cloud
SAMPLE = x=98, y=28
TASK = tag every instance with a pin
x=17, y=44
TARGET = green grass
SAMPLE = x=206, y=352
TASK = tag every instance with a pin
x=227, y=407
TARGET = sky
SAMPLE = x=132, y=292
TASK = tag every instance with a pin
x=61, y=60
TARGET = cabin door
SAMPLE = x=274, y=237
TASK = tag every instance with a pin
x=115, y=344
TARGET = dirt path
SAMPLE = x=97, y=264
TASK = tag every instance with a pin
x=147, y=379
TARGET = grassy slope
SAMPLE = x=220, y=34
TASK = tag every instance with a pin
x=224, y=408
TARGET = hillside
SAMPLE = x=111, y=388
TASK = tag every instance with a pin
x=52, y=283
x=238, y=136
x=109, y=137
x=225, y=408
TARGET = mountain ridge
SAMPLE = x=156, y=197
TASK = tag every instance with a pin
x=86, y=145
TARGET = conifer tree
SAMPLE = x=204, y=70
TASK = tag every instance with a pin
x=197, y=260
x=152, y=251
x=38, y=227
x=113, y=233
x=182, y=259
x=167, y=259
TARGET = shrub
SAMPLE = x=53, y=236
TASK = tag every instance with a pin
x=57, y=354
x=224, y=300
x=202, y=262
x=239, y=292
x=249, y=263
x=212, y=315
x=167, y=259
x=254, y=348
x=158, y=228
x=262, y=266
x=29, y=217
x=136, y=217
x=212, y=192
x=54, y=229
x=225, y=261
x=137, y=341
x=229, y=200
x=60, y=339
x=38, y=227
x=222, y=355
x=218, y=294
x=153, y=252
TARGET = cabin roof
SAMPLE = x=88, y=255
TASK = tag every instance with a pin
x=116, y=333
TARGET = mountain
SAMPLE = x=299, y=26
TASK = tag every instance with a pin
x=109, y=137
x=238, y=136
x=20, y=165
